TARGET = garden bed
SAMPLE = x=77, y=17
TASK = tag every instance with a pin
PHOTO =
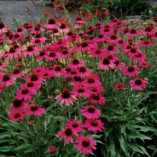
x=86, y=85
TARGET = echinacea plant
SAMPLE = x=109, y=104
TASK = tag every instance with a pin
x=78, y=89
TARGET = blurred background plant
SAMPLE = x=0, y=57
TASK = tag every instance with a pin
x=119, y=8
x=149, y=13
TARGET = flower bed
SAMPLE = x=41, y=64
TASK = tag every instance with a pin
x=83, y=86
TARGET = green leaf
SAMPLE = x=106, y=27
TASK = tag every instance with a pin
x=123, y=146
x=138, y=149
x=153, y=115
x=136, y=135
x=26, y=148
x=141, y=128
x=5, y=149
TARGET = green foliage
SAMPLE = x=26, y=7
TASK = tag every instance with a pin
x=118, y=7
x=149, y=13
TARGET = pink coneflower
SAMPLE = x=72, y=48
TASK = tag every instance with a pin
x=97, y=53
x=52, y=149
x=38, y=70
x=149, y=30
x=133, y=32
x=145, y=43
x=12, y=52
x=66, y=71
x=132, y=51
x=25, y=93
x=90, y=112
x=66, y=98
x=46, y=74
x=117, y=23
x=79, y=89
x=35, y=110
x=59, y=43
x=75, y=63
x=20, y=30
x=111, y=49
x=30, y=51
x=94, y=125
x=75, y=125
x=92, y=80
x=139, y=57
x=93, y=90
x=154, y=36
x=38, y=41
x=64, y=53
x=28, y=25
x=54, y=32
x=16, y=116
x=118, y=64
x=86, y=145
x=83, y=72
x=119, y=86
x=79, y=20
x=121, y=42
x=131, y=71
x=37, y=28
x=17, y=73
x=34, y=77
x=113, y=38
x=145, y=64
x=85, y=46
x=2, y=66
x=63, y=27
x=6, y=80
x=51, y=24
x=106, y=64
x=57, y=70
x=31, y=85
x=138, y=84
x=106, y=31
x=113, y=21
x=111, y=57
x=97, y=99
x=100, y=38
x=18, y=104
x=18, y=37
x=41, y=54
x=73, y=73
x=51, y=55
x=67, y=134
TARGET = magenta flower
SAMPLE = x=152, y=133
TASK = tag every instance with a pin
x=75, y=125
x=131, y=71
x=97, y=99
x=18, y=105
x=6, y=80
x=25, y=93
x=86, y=145
x=119, y=86
x=94, y=125
x=90, y=112
x=138, y=84
x=16, y=116
x=51, y=24
x=67, y=134
x=35, y=110
x=17, y=73
x=66, y=98
x=106, y=64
